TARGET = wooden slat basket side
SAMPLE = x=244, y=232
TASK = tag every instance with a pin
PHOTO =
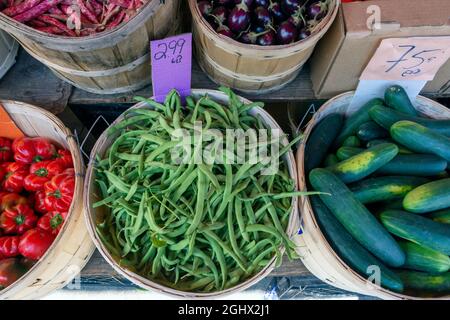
x=93, y=215
x=109, y=62
x=252, y=68
x=73, y=247
x=315, y=251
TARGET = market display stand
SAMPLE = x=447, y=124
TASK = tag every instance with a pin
x=30, y=81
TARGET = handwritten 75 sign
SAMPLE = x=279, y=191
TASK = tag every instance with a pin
x=416, y=58
x=171, y=65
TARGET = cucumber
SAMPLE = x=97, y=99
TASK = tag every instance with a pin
x=418, y=229
x=330, y=160
x=429, y=197
x=321, y=139
x=355, y=218
x=425, y=282
x=424, y=259
x=352, y=141
x=386, y=117
x=364, y=163
x=442, y=216
x=371, y=130
x=421, y=139
x=353, y=122
x=356, y=256
x=424, y=165
x=385, y=188
x=344, y=153
x=397, y=98
x=401, y=149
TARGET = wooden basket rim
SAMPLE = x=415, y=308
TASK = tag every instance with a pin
x=152, y=285
x=291, y=48
x=359, y=280
x=79, y=174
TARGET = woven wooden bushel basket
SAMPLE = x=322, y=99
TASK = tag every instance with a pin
x=252, y=68
x=73, y=247
x=90, y=197
x=315, y=251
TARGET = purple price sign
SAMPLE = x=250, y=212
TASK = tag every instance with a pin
x=171, y=65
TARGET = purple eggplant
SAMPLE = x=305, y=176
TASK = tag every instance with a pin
x=316, y=10
x=239, y=18
x=205, y=8
x=276, y=12
x=261, y=16
x=286, y=33
x=267, y=39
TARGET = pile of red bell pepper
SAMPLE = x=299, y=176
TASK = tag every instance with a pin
x=37, y=182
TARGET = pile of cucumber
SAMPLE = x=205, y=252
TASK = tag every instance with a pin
x=384, y=177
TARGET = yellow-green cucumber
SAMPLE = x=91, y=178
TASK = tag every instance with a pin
x=424, y=259
x=422, y=282
x=442, y=216
x=321, y=139
x=348, y=249
x=371, y=130
x=385, y=188
x=401, y=149
x=365, y=163
x=418, y=229
x=421, y=139
x=355, y=217
x=353, y=122
x=396, y=97
x=428, y=197
x=386, y=117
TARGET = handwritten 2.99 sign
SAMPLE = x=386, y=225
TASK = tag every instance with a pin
x=171, y=65
x=416, y=58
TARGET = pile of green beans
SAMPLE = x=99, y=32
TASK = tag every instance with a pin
x=191, y=227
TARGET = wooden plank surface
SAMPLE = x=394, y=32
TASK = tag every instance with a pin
x=30, y=81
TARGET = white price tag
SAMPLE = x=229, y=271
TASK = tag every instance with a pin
x=408, y=62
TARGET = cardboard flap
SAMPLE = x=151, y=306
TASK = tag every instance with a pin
x=8, y=128
x=394, y=16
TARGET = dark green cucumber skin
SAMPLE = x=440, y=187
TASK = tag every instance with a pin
x=429, y=197
x=422, y=165
x=421, y=139
x=330, y=160
x=355, y=218
x=420, y=258
x=352, y=141
x=397, y=98
x=321, y=139
x=353, y=122
x=370, y=131
x=364, y=163
x=442, y=216
x=425, y=282
x=347, y=248
x=385, y=188
x=386, y=117
x=401, y=149
x=415, y=228
x=343, y=153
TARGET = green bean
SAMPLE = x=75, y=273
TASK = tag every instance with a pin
x=201, y=193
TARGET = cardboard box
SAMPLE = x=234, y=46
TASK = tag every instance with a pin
x=343, y=53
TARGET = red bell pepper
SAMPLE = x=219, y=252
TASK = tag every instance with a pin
x=39, y=202
x=65, y=157
x=6, y=153
x=34, y=243
x=29, y=150
x=59, y=191
x=9, y=246
x=10, y=200
x=18, y=219
x=51, y=222
x=10, y=271
x=40, y=173
x=2, y=172
x=15, y=176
